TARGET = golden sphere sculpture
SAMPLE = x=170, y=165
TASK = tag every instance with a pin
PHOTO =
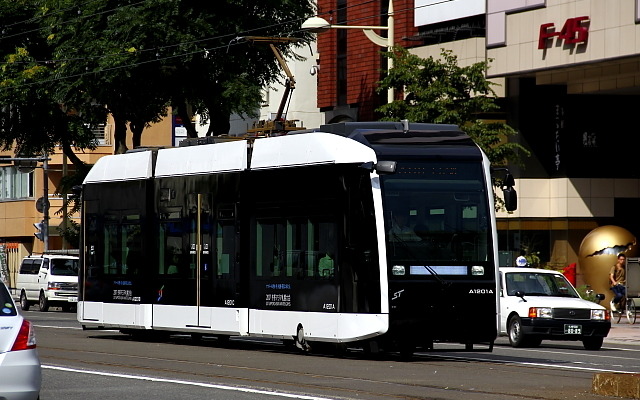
x=599, y=252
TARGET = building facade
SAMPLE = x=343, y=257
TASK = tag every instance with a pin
x=21, y=190
x=572, y=73
x=568, y=74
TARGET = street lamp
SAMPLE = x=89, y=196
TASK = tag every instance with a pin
x=319, y=25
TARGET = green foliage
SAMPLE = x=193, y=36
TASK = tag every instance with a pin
x=71, y=234
x=587, y=293
x=439, y=91
x=68, y=64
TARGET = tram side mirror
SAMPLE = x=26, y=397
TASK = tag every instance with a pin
x=509, y=181
x=509, y=193
x=386, y=167
x=510, y=198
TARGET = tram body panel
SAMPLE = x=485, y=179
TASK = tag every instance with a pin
x=326, y=327
x=114, y=315
x=212, y=320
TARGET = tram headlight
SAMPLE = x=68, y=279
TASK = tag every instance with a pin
x=398, y=270
x=477, y=270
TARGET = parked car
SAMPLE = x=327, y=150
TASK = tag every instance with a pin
x=48, y=280
x=538, y=304
x=20, y=371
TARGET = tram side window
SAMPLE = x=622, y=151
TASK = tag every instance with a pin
x=301, y=248
x=123, y=245
x=170, y=247
x=225, y=248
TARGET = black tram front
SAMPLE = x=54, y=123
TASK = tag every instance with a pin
x=439, y=229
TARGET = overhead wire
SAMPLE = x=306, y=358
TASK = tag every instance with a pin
x=71, y=20
x=189, y=53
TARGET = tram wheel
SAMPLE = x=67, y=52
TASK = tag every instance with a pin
x=407, y=348
x=299, y=339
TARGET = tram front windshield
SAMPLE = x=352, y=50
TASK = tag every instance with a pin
x=436, y=214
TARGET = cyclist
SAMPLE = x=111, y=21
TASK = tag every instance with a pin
x=617, y=280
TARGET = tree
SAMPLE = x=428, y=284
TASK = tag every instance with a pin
x=439, y=91
x=32, y=120
x=137, y=58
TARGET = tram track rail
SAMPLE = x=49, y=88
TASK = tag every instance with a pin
x=292, y=372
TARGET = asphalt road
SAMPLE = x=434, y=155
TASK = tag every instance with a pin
x=87, y=365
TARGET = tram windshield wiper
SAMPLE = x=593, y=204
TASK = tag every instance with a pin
x=412, y=256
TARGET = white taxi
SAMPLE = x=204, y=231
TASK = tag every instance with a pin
x=538, y=304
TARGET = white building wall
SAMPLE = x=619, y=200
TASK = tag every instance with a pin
x=570, y=197
x=303, y=102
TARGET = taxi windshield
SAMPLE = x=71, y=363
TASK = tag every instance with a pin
x=539, y=284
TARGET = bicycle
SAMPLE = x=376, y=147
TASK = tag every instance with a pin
x=626, y=307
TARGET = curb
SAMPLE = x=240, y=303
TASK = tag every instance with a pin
x=617, y=384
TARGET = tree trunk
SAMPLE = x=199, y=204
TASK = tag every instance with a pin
x=120, y=135
x=136, y=126
x=185, y=115
x=218, y=120
x=71, y=155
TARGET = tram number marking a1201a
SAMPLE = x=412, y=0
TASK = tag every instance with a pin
x=328, y=306
x=480, y=291
x=229, y=302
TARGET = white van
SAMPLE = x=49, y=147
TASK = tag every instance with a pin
x=49, y=280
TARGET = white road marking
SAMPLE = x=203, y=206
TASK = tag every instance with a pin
x=181, y=382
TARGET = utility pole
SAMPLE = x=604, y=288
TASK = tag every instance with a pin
x=45, y=208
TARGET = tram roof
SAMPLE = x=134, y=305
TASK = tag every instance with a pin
x=381, y=133
x=412, y=139
x=122, y=167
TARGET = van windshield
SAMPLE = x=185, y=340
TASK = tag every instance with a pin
x=65, y=267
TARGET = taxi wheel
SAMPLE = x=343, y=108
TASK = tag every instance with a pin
x=593, y=343
x=516, y=337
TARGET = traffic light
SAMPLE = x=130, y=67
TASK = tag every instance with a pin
x=41, y=230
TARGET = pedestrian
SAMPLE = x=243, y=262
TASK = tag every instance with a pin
x=617, y=278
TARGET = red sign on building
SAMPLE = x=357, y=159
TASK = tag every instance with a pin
x=575, y=30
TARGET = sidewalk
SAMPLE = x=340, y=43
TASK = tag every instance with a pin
x=614, y=384
x=624, y=332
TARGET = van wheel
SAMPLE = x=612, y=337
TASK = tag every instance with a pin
x=44, y=303
x=24, y=303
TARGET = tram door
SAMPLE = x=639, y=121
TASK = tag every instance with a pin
x=200, y=259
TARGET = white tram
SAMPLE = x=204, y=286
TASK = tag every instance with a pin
x=375, y=234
